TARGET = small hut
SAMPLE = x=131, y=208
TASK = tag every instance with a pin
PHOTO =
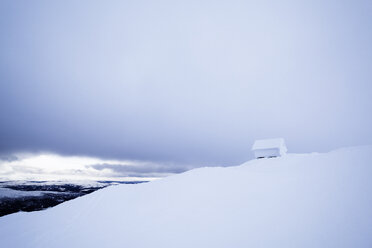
x=269, y=148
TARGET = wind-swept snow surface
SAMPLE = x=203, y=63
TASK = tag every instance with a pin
x=309, y=200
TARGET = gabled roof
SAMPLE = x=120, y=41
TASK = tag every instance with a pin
x=268, y=143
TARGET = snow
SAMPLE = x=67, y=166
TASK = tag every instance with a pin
x=84, y=183
x=10, y=193
x=300, y=200
x=268, y=143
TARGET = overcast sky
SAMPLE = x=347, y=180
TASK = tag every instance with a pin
x=183, y=82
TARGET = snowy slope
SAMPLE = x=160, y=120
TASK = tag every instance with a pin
x=309, y=200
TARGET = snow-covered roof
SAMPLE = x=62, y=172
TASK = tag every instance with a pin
x=268, y=143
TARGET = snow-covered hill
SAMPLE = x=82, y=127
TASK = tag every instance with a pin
x=300, y=200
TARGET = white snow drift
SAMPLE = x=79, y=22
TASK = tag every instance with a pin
x=309, y=200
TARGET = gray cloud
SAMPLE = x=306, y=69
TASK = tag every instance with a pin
x=144, y=170
x=8, y=158
x=55, y=167
x=183, y=82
